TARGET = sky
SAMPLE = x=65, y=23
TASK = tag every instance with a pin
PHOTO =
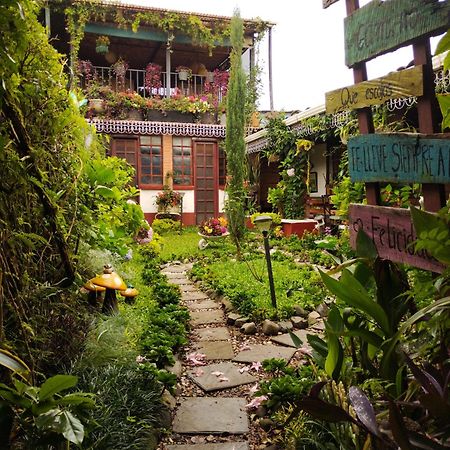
x=307, y=47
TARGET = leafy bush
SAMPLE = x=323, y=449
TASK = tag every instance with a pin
x=165, y=226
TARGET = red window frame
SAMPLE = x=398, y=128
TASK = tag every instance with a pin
x=182, y=150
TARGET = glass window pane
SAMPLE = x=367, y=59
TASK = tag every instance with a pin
x=145, y=140
x=145, y=179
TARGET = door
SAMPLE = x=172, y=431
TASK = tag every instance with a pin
x=206, y=180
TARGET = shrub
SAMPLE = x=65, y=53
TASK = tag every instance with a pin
x=164, y=226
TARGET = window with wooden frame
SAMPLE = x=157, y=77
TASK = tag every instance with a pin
x=222, y=167
x=150, y=161
x=182, y=161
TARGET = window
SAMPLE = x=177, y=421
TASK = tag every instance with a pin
x=150, y=155
x=182, y=161
x=222, y=166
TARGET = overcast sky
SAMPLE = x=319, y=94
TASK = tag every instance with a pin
x=307, y=47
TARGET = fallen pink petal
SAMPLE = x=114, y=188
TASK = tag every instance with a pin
x=253, y=389
x=256, y=402
x=256, y=366
x=199, y=372
x=196, y=359
x=244, y=347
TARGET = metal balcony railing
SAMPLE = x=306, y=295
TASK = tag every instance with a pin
x=134, y=80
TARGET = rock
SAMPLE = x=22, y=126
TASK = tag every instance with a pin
x=176, y=369
x=313, y=317
x=266, y=424
x=299, y=311
x=285, y=326
x=270, y=328
x=165, y=418
x=261, y=411
x=210, y=293
x=323, y=309
x=239, y=322
x=169, y=400
x=227, y=305
x=248, y=328
x=299, y=322
x=232, y=317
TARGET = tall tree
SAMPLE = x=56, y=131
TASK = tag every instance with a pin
x=234, y=141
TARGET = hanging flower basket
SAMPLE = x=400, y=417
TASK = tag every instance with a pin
x=102, y=44
x=184, y=73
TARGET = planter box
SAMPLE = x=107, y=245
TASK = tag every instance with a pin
x=298, y=227
x=154, y=115
x=248, y=223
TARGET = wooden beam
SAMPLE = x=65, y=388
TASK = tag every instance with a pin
x=270, y=70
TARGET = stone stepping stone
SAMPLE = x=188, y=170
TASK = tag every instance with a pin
x=209, y=382
x=188, y=288
x=180, y=281
x=203, y=317
x=203, y=304
x=260, y=352
x=174, y=269
x=215, y=349
x=285, y=339
x=192, y=296
x=213, y=334
x=199, y=415
x=222, y=446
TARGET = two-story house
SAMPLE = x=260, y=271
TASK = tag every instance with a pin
x=156, y=81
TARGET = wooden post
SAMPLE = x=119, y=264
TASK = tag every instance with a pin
x=47, y=20
x=365, y=120
x=428, y=114
x=270, y=70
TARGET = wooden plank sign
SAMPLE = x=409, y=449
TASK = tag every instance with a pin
x=397, y=158
x=405, y=83
x=383, y=26
x=327, y=3
x=393, y=234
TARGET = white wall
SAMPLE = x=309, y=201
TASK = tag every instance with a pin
x=222, y=198
x=319, y=165
x=147, y=201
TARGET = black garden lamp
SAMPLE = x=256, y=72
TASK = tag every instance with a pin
x=263, y=224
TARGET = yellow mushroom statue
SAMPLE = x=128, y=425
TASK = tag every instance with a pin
x=95, y=292
x=129, y=293
x=112, y=282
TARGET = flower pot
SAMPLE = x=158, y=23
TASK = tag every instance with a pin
x=102, y=49
x=97, y=105
x=134, y=114
x=183, y=75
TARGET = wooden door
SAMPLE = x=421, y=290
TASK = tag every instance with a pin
x=206, y=180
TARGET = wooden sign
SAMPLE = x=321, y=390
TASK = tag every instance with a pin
x=327, y=3
x=407, y=158
x=383, y=26
x=405, y=83
x=393, y=234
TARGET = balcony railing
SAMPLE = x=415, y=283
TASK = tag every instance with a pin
x=134, y=80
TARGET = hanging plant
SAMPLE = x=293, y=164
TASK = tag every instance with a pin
x=152, y=80
x=102, y=44
x=119, y=69
x=184, y=73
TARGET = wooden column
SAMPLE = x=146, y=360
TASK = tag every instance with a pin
x=167, y=153
x=270, y=70
x=365, y=119
x=428, y=114
x=47, y=20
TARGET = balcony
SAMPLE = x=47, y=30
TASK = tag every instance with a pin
x=150, y=94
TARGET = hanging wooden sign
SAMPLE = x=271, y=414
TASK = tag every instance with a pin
x=383, y=26
x=407, y=158
x=405, y=83
x=392, y=232
x=327, y=3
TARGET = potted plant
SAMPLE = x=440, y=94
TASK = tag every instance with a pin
x=120, y=68
x=184, y=73
x=212, y=230
x=168, y=201
x=102, y=44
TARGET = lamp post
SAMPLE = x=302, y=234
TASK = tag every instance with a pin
x=263, y=223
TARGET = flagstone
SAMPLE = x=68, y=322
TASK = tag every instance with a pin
x=198, y=415
x=191, y=296
x=203, y=304
x=213, y=334
x=231, y=377
x=215, y=349
x=260, y=352
x=180, y=281
x=174, y=269
x=285, y=339
x=221, y=446
x=188, y=288
x=205, y=316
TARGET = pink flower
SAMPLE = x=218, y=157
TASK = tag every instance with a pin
x=256, y=366
x=196, y=359
x=256, y=402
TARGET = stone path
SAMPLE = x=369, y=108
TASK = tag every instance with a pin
x=218, y=370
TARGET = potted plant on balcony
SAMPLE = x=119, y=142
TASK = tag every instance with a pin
x=120, y=68
x=102, y=44
x=168, y=201
x=184, y=73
